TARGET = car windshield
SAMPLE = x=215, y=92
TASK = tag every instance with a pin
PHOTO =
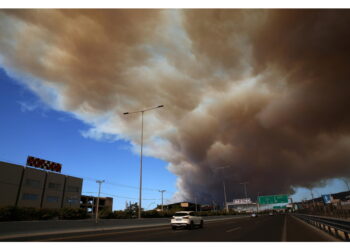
x=181, y=214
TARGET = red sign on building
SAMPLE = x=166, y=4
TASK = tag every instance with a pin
x=43, y=164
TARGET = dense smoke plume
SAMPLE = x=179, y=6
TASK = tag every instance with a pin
x=263, y=93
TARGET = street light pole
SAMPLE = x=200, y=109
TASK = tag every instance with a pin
x=162, y=191
x=223, y=182
x=312, y=195
x=245, y=188
x=347, y=184
x=224, y=186
x=98, y=197
x=257, y=202
x=140, y=192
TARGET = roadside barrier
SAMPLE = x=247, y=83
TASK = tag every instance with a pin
x=335, y=227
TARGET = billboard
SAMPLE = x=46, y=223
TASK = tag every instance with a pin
x=241, y=201
x=43, y=164
x=184, y=204
x=327, y=198
x=273, y=199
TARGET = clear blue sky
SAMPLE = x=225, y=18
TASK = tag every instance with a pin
x=30, y=127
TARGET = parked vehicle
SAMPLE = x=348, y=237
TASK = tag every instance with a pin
x=186, y=219
x=253, y=215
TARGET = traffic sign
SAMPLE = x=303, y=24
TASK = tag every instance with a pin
x=327, y=198
x=273, y=199
x=279, y=207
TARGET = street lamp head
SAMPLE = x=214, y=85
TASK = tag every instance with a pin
x=160, y=106
x=126, y=113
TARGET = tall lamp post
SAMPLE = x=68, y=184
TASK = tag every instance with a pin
x=245, y=191
x=245, y=188
x=346, y=183
x=224, y=186
x=141, y=111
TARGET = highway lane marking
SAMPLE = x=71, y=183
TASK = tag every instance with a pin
x=114, y=233
x=233, y=222
x=101, y=234
x=233, y=229
x=88, y=231
x=284, y=233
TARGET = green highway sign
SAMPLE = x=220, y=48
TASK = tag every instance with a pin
x=273, y=199
x=279, y=207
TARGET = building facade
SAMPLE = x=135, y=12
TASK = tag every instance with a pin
x=30, y=187
x=89, y=203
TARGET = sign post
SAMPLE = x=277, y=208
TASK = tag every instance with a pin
x=273, y=199
x=327, y=198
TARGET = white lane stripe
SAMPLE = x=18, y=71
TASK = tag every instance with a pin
x=284, y=233
x=233, y=229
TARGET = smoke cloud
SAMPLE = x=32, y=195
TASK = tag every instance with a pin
x=258, y=96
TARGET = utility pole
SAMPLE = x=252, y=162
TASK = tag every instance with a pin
x=162, y=191
x=312, y=195
x=347, y=184
x=98, y=197
x=257, y=202
x=223, y=184
x=195, y=202
x=291, y=201
x=245, y=188
x=226, y=207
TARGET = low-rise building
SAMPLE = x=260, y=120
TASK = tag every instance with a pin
x=90, y=203
x=24, y=186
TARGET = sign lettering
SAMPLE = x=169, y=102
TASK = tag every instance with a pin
x=44, y=164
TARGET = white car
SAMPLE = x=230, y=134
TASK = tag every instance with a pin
x=186, y=219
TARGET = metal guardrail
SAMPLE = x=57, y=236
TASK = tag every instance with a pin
x=335, y=227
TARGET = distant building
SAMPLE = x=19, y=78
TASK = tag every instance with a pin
x=341, y=199
x=32, y=187
x=246, y=208
x=183, y=206
x=90, y=203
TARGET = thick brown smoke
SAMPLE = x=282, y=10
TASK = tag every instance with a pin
x=263, y=93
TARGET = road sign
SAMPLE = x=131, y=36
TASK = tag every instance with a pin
x=279, y=207
x=273, y=199
x=241, y=201
x=327, y=198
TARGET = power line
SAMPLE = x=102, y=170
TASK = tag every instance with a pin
x=131, y=198
x=118, y=184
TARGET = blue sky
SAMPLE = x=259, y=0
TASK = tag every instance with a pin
x=30, y=127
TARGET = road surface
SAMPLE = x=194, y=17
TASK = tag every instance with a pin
x=264, y=228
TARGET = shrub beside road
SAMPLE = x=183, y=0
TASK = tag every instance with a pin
x=24, y=214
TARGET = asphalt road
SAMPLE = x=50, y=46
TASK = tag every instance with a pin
x=262, y=229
